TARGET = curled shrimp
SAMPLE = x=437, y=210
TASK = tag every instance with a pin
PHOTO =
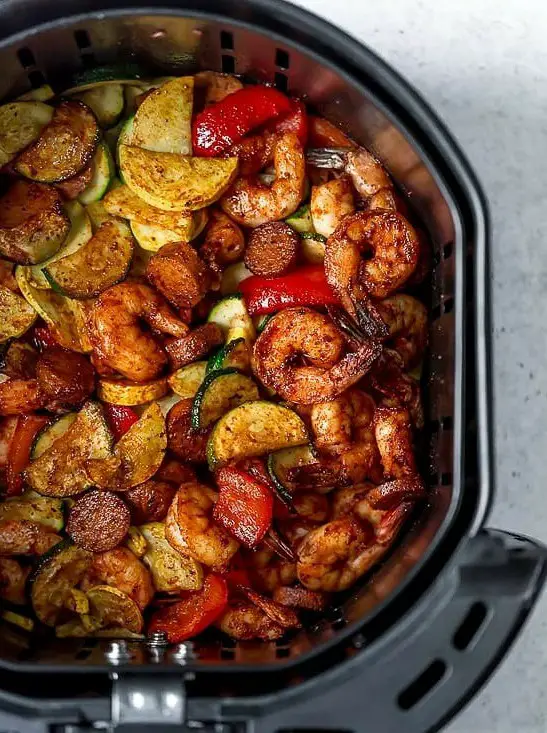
x=302, y=334
x=368, y=175
x=13, y=577
x=395, y=249
x=251, y=203
x=120, y=569
x=21, y=537
x=332, y=557
x=190, y=529
x=344, y=436
x=330, y=202
x=223, y=243
x=406, y=321
x=393, y=432
x=119, y=337
x=268, y=571
x=243, y=620
x=395, y=387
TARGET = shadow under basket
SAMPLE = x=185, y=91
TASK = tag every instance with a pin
x=408, y=646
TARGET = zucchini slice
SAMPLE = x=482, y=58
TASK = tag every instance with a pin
x=104, y=171
x=114, y=609
x=48, y=435
x=99, y=264
x=34, y=508
x=126, y=73
x=41, y=94
x=232, y=276
x=124, y=138
x=122, y=202
x=312, y=247
x=235, y=354
x=65, y=146
x=16, y=315
x=60, y=470
x=137, y=456
x=231, y=315
x=171, y=571
x=254, y=429
x=220, y=392
x=107, y=102
x=301, y=220
x=67, y=318
x=80, y=233
x=262, y=321
x=174, y=182
x=280, y=463
x=163, y=120
x=186, y=381
x=124, y=392
x=18, y=619
x=20, y=125
x=153, y=238
x=53, y=580
x=33, y=223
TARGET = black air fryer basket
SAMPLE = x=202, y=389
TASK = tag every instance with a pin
x=410, y=646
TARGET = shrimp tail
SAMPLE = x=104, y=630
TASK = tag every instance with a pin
x=354, y=365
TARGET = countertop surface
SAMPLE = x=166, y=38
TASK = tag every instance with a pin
x=482, y=64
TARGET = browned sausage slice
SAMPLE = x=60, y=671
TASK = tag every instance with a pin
x=98, y=521
x=296, y=597
x=179, y=274
x=65, y=377
x=175, y=472
x=182, y=439
x=272, y=249
x=20, y=396
x=150, y=501
x=197, y=343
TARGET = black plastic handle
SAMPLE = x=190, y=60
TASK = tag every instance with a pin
x=442, y=654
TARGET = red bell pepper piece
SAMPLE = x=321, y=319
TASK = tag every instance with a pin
x=305, y=286
x=43, y=337
x=119, y=418
x=189, y=617
x=28, y=426
x=323, y=134
x=296, y=121
x=244, y=506
x=224, y=123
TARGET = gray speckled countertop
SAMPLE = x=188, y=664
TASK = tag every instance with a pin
x=482, y=64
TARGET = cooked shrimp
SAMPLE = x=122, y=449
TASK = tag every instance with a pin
x=330, y=203
x=268, y=571
x=344, y=436
x=119, y=337
x=21, y=537
x=384, y=199
x=223, y=243
x=13, y=578
x=311, y=505
x=190, y=528
x=395, y=250
x=406, y=320
x=333, y=556
x=394, y=438
x=20, y=396
x=368, y=175
x=255, y=152
x=396, y=387
x=120, y=569
x=302, y=334
x=217, y=85
x=252, y=203
x=243, y=620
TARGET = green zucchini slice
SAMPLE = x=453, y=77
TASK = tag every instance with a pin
x=61, y=470
x=231, y=315
x=301, y=220
x=220, y=392
x=107, y=102
x=34, y=508
x=171, y=571
x=186, y=381
x=254, y=429
x=235, y=354
x=104, y=172
x=280, y=463
x=20, y=125
x=16, y=315
x=65, y=146
x=48, y=435
x=232, y=276
x=99, y=264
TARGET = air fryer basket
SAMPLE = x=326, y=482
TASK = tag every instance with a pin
x=414, y=642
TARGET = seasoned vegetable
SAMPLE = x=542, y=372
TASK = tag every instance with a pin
x=171, y=571
x=20, y=125
x=244, y=506
x=60, y=471
x=16, y=315
x=282, y=462
x=254, y=429
x=231, y=315
x=301, y=220
x=220, y=392
x=102, y=262
x=50, y=433
x=186, y=381
x=103, y=172
x=153, y=238
x=40, y=94
x=65, y=146
x=235, y=353
x=66, y=318
x=52, y=581
x=232, y=276
x=33, y=223
x=19, y=450
x=162, y=122
x=312, y=247
x=174, y=182
x=34, y=508
x=114, y=609
x=124, y=392
x=107, y=102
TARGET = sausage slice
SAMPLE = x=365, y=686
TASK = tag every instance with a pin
x=98, y=521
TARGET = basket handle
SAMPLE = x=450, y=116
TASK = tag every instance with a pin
x=438, y=658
